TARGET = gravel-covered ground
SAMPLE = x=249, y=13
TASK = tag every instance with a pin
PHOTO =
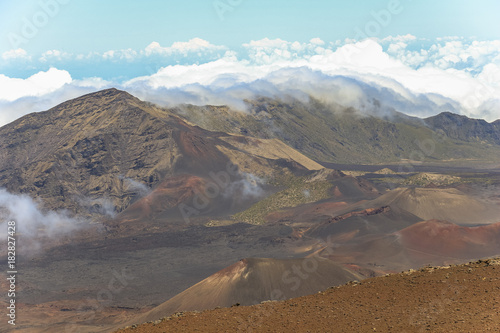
x=464, y=298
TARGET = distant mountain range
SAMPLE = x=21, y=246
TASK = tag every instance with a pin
x=465, y=129
x=331, y=133
x=187, y=192
x=99, y=144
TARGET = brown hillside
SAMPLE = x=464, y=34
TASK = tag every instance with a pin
x=447, y=204
x=429, y=242
x=253, y=280
x=89, y=149
x=464, y=298
x=446, y=239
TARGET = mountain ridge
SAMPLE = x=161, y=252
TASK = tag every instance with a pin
x=331, y=133
x=94, y=146
x=464, y=128
x=247, y=195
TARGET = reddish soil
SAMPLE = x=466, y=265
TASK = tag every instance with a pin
x=253, y=280
x=170, y=193
x=464, y=298
x=442, y=238
x=365, y=212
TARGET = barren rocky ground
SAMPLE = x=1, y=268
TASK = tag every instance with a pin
x=163, y=204
x=462, y=298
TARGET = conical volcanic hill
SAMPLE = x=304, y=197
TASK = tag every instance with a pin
x=253, y=280
x=463, y=298
x=168, y=201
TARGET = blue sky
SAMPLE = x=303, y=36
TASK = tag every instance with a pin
x=97, y=25
x=95, y=44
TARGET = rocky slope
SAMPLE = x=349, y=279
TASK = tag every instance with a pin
x=253, y=196
x=449, y=204
x=102, y=151
x=463, y=298
x=253, y=280
x=464, y=128
x=331, y=133
x=109, y=148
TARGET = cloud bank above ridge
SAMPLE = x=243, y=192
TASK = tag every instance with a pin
x=414, y=76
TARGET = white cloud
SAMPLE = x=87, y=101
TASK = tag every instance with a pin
x=447, y=38
x=92, y=82
x=54, y=55
x=364, y=61
x=32, y=223
x=114, y=55
x=445, y=53
x=41, y=91
x=135, y=186
x=269, y=51
x=317, y=41
x=195, y=45
x=268, y=44
x=15, y=54
x=412, y=78
x=154, y=47
x=91, y=55
x=399, y=38
x=204, y=74
x=38, y=84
